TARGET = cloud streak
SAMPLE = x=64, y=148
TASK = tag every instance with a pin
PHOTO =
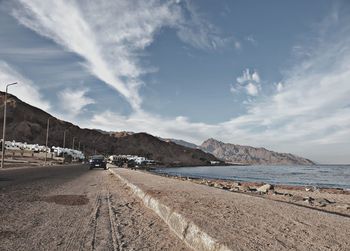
x=26, y=90
x=308, y=113
x=111, y=35
x=108, y=35
x=74, y=100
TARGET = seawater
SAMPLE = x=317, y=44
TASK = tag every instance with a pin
x=335, y=176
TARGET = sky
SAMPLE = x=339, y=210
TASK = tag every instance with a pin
x=273, y=74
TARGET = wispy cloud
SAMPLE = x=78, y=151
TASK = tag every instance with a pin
x=308, y=113
x=110, y=35
x=73, y=101
x=26, y=90
x=107, y=34
x=248, y=82
x=251, y=40
x=31, y=53
x=194, y=29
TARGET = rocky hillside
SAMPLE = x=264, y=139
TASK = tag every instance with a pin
x=182, y=143
x=250, y=155
x=26, y=123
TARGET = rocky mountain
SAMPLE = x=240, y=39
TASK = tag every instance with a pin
x=26, y=123
x=182, y=143
x=250, y=155
x=121, y=134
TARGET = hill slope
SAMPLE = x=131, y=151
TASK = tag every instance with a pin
x=250, y=155
x=26, y=123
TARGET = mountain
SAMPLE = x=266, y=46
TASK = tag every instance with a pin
x=182, y=143
x=120, y=134
x=26, y=123
x=250, y=155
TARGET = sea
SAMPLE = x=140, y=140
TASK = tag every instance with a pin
x=330, y=176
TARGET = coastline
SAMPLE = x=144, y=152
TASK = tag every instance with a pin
x=328, y=199
x=203, y=212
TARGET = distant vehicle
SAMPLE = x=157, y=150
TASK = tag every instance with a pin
x=98, y=161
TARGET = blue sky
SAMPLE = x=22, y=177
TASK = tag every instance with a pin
x=262, y=73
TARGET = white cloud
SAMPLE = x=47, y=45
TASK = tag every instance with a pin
x=193, y=28
x=279, y=87
x=141, y=121
x=238, y=45
x=233, y=89
x=24, y=90
x=251, y=40
x=107, y=34
x=256, y=77
x=252, y=89
x=110, y=35
x=309, y=114
x=248, y=82
x=249, y=75
x=73, y=101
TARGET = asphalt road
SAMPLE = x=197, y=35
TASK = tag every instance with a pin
x=73, y=208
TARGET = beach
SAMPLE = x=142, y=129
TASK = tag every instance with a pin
x=243, y=218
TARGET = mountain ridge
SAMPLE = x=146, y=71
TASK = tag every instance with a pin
x=240, y=154
x=26, y=123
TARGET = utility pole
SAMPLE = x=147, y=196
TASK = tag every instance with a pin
x=47, y=137
x=4, y=127
x=73, y=143
x=64, y=138
x=79, y=146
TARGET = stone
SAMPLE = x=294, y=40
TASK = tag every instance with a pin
x=243, y=188
x=297, y=198
x=265, y=188
x=323, y=202
x=308, y=200
x=234, y=189
x=217, y=185
x=284, y=194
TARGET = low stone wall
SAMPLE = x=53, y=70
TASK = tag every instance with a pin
x=26, y=153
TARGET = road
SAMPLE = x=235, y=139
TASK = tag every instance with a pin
x=73, y=208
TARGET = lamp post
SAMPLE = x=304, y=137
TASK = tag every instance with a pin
x=73, y=142
x=47, y=138
x=64, y=142
x=64, y=138
x=4, y=127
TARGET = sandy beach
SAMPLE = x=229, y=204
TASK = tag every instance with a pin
x=334, y=200
x=243, y=219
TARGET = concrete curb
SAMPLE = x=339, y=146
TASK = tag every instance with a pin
x=185, y=229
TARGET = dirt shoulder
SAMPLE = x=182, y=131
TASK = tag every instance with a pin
x=72, y=208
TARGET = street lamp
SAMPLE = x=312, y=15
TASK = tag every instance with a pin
x=4, y=127
x=64, y=138
x=73, y=142
x=47, y=137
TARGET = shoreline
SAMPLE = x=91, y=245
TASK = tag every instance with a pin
x=291, y=185
x=335, y=190
x=331, y=200
x=197, y=208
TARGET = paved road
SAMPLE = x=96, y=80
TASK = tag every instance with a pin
x=72, y=208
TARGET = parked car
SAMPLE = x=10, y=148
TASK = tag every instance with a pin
x=98, y=161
